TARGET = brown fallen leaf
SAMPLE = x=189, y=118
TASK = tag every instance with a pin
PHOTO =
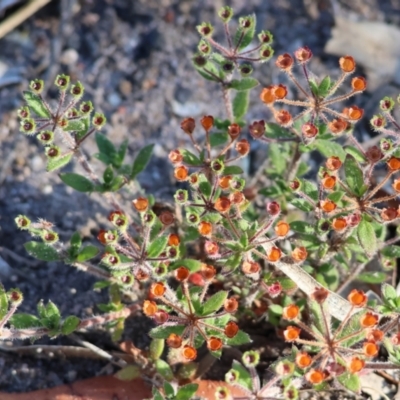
x=109, y=388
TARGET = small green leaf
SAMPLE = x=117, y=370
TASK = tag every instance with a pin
x=192, y=265
x=353, y=151
x=354, y=176
x=243, y=84
x=275, y=131
x=70, y=324
x=336, y=196
x=156, y=348
x=35, y=103
x=302, y=227
x=105, y=145
x=101, y=285
x=108, y=175
x=42, y=251
x=157, y=246
x=208, y=71
x=76, y=240
x=87, y=253
x=233, y=170
x=3, y=302
x=366, y=236
x=51, y=317
x=59, y=162
x=77, y=182
x=23, y=321
x=74, y=125
x=372, y=277
x=162, y=332
x=350, y=381
x=141, y=160
x=205, y=188
x=329, y=148
x=243, y=37
x=164, y=370
x=240, y=104
x=244, y=378
x=324, y=86
x=218, y=139
x=392, y=251
x=240, y=338
x=128, y=373
x=214, y=303
x=187, y=391
x=190, y=158
x=302, y=205
x=388, y=292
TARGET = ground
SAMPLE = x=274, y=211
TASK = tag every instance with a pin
x=134, y=59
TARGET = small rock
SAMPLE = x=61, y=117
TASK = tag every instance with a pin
x=37, y=163
x=5, y=269
x=114, y=99
x=69, y=57
x=188, y=109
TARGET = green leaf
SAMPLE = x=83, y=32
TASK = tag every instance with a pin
x=208, y=71
x=35, y=103
x=353, y=151
x=141, y=160
x=388, y=292
x=336, y=196
x=105, y=146
x=366, y=237
x=70, y=324
x=128, y=373
x=190, y=158
x=205, y=188
x=76, y=240
x=169, y=390
x=350, y=381
x=3, y=302
x=41, y=251
x=192, y=265
x=74, y=125
x=240, y=104
x=324, y=86
x=214, y=303
x=164, y=370
x=302, y=205
x=329, y=148
x=156, y=348
x=244, y=375
x=108, y=174
x=162, y=332
x=232, y=170
x=302, y=227
x=59, y=162
x=275, y=131
x=318, y=317
x=372, y=277
x=354, y=176
x=187, y=391
x=218, y=139
x=87, y=253
x=51, y=316
x=391, y=251
x=243, y=84
x=23, y=321
x=157, y=246
x=240, y=338
x=77, y=182
x=275, y=309
x=101, y=284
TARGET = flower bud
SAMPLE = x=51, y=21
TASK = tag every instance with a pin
x=207, y=122
x=37, y=86
x=99, y=120
x=166, y=218
x=204, y=47
x=243, y=147
x=223, y=204
x=24, y=112
x=333, y=163
x=62, y=82
x=28, y=126
x=22, y=222
x=175, y=156
x=174, y=341
x=77, y=90
x=52, y=151
x=309, y=130
x=218, y=166
x=283, y=118
x=337, y=126
x=86, y=107
x=141, y=204
x=245, y=70
x=387, y=104
x=284, y=62
x=359, y=84
x=181, y=196
x=378, y=122
x=205, y=29
x=251, y=358
x=273, y=208
x=188, y=125
x=225, y=13
x=347, y=64
x=303, y=54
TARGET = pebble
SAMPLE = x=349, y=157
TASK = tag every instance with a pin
x=114, y=99
x=37, y=163
x=69, y=57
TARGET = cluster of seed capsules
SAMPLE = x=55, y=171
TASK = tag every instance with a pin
x=340, y=350
x=318, y=101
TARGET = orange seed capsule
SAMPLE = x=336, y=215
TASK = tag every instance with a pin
x=214, y=343
x=315, y=376
x=267, y=95
x=337, y=126
x=223, y=204
x=282, y=228
x=274, y=254
x=182, y=273
x=149, y=308
x=396, y=185
x=250, y=267
x=157, y=289
x=319, y=295
x=370, y=349
x=375, y=335
x=333, y=163
x=291, y=312
x=205, y=228
x=189, y=353
x=328, y=181
x=327, y=205
x=356, y=365
x=280, y=91
x=166, y=218
x=347, y=64
x=299, y=254
x=338, y=224
x=394, y=163
x=174, y=341
x=291, y=333
x=223, y=182
x=208, y=272
x=181, y=173
x=231, y=329
x=303, y=360
x=283, y=117
x=357, y=298
x=231, y=305
x=242, y=147
x=188, y=125
x=284, y=61
x=173, y=240
x=368, y=320
x=175, y=156
x=207, y=122
x=358, y=84
x=354, y=113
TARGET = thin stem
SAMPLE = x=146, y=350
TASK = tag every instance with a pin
x=337, y=84
x=377, y=187
x=228, y=103
x=293, y=78
x=228, y=36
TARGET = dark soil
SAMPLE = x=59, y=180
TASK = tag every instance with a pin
x=134, y=59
